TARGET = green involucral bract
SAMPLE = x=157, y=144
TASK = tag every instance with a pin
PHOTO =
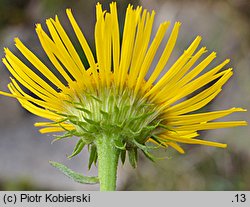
x=109, y=113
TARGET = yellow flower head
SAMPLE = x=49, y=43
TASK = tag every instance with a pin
x=112, y=96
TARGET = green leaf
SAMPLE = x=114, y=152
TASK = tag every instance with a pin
x=120, y=145
x=144, y=146
x=90, y=121
x=73, y=102
x=94, y=97
x=84, y=110
x=95, y=160
x=78, y=148
x=60, y=121
x=123, y=156
x=66, y=135
x=167, y=128
x=105, y=114
x=149, y=156
x=77, y=177
x=66, y=115
x=132, y=154
x=145, y=151
x=142, y=116
x=81, y=124
x=87, y=137
x=158, y=141
x=116, y=109
x=92, y=156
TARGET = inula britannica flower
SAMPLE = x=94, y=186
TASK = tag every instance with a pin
x=116, y=105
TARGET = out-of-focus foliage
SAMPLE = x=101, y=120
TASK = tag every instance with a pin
x=19, y=184
x=12, y=12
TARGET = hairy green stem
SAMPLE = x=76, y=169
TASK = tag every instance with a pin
x=108, y=156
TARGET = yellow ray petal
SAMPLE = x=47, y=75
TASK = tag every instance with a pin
x=99, y=11
x=138, y=42
x=57, y=105
x=38, y=64
x=53, y=124
x=115, y=34
x=194, y=141
x=103, y=48
x=207, y=94
x=68, y=44
x=131, y=21
x=197, y=105
x=176, y=66
x=142, y=41
x=25, y=80
x=151, y=54
x=106, y=30
x=165, y=55
x=176, y=147
x=32, y=108
x=175, y=82
x=52, y=52
x=28, y=75
x=51, y=129
x=99, y=48
x=198, y=83
x=12, y=95
x=84, y=44
x=213, y=125
x=201, y=117
x=200, y=67
x=67, y=60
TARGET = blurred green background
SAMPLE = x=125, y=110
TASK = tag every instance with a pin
x=225, y=28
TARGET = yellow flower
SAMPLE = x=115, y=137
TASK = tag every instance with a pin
x=112, y=96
